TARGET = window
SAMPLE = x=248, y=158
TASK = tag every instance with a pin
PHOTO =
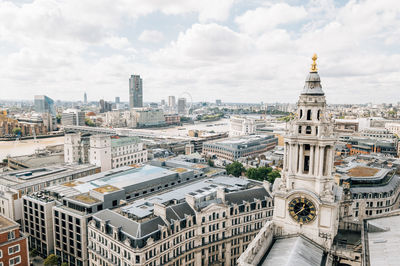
x=308, y=114
x=15, y=260
x=13, y=249
x=11, y=235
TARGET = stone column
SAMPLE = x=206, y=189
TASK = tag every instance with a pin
x=301, y=159
x=321, y=161
x=311, y=168
x=296, y=156
x=316, y=160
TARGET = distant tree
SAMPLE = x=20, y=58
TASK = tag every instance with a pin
x=252, y=173
x=58, y=118
x=64, y=264
x=273, y=175
x=51, y=260
x=89, y=122
x=17, y=131
x=235, y=169
x=211, y=163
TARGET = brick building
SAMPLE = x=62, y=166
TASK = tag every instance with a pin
x=13, y=244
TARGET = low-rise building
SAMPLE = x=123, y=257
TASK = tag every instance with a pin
x=377, y=133
x=368, y=191
x=73, y=117
x=234, y=148
x=15, y=184
x=105, y=151
x=393, y=128
x=244, y=125
x=147, y=117
x=13, y=244
x=206, y=223
x=172, y=119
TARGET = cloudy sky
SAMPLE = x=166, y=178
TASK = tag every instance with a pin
x=234, y=50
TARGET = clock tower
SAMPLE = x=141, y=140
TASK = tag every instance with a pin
x=305, y=201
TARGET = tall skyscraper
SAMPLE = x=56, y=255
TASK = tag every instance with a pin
x=181, y=105
x=171, y=101
x=44, y=104
x=135, y=91
x=85, y=98
x=117, y=100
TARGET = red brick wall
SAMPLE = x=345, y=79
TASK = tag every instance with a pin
x=23, y=243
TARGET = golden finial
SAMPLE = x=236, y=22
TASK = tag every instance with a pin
x=314, y=64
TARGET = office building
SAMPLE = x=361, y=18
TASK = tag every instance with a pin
x=172, y=119
x=147, y=117
x=73, y=117
x=117, y=100
x=44, y=104
x=182, y=106
x=13, y=244
x=243, y=125
x=218, y=102
x=135, y=91
x=232, y=149
x=15, y=184
x=103, y=150
x=63, y=211
x=85, y=98
x=393, y=128
x=205, y=223
x=171, y=101
x=104, y=106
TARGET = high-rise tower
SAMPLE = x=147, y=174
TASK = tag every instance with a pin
x=135, y=91
x=85, y=98
x=305, y=200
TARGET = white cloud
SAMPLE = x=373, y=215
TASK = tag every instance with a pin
x=263, y=19
x=61, y=48
x=153, y=36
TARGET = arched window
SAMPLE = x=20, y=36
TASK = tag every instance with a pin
x=301, y=113
x=308, y=114
x=318, y=114
x=308, y=130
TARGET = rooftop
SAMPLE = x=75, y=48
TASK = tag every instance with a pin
x=106, y=189
x=20, y=179
x=381, y=239
x=144, y=207
x=362, y=171
x=85, y=198
x=6, y=223
x=122, y=141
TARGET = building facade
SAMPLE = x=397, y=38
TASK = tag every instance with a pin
x=73, y=117
x=13, y=244
x=234, y=148
x=207, y=227
x=44, y=104
x=135, y=91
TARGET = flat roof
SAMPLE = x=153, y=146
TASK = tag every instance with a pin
x=106, y=189
x=383, y=239
x=34, y=160
x=6, y=223
x=144, y=207
x=362, y=171
x=20, y=179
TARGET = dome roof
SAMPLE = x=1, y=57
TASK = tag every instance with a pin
x=313, y=85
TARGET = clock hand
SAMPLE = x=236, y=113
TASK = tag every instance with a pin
x=300, y=210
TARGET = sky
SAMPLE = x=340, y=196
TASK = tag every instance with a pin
x=234, y=50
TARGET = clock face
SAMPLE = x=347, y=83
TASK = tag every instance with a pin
x=302, y=210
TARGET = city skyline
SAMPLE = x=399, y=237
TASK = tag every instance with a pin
x=223, y=51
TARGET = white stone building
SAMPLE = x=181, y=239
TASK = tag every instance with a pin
x=103, y=150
